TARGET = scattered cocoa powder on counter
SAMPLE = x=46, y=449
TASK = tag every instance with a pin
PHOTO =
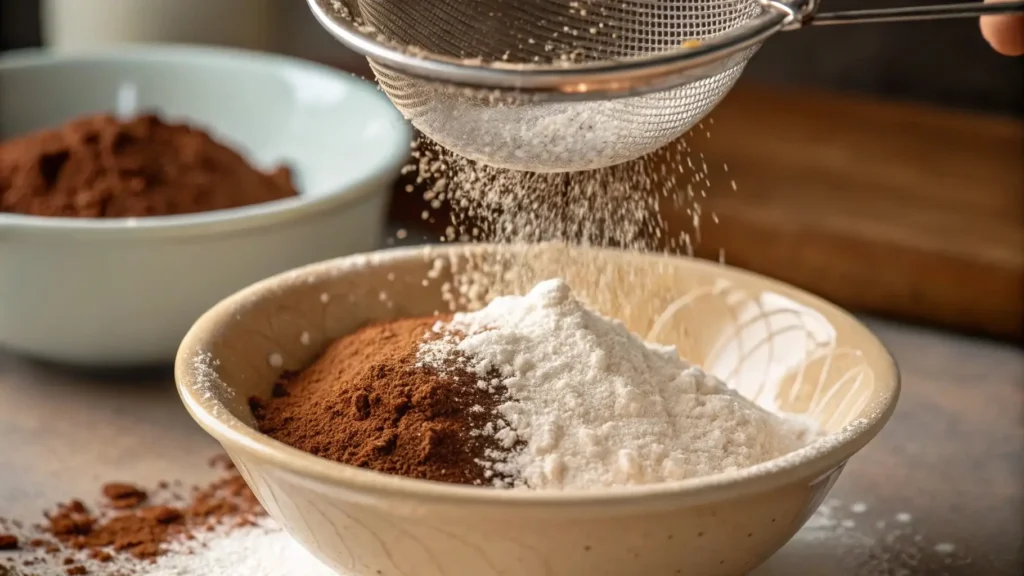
x=138, y=532
x=367, y=402
x=141, y=531
x=77, y=539
x=102, y=167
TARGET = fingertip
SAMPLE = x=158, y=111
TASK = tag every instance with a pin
x=1004, y=33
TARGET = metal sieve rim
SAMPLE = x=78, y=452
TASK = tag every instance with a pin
x=587, y=80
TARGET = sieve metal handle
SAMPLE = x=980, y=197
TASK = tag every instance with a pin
x=808, y=14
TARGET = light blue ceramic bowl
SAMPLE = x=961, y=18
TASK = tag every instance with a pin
x=108, y=292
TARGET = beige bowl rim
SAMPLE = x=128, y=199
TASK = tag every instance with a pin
x=812, y=461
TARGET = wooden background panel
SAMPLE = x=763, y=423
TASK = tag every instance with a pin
x=896, y=209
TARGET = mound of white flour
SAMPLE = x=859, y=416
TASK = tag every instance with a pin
x=589, y=404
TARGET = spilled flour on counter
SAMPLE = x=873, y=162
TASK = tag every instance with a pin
x=263, y=550
x=590, y=404
x=866, y=541
x=872, y=542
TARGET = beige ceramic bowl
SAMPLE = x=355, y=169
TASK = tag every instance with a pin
x=778, y=345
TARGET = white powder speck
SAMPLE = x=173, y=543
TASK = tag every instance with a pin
x=590, y=404
x=304, y=338
x=436, y=267
x=325, y=298
x=858, y=508
x=904, y=517
x=276, y=360
x=945, y=548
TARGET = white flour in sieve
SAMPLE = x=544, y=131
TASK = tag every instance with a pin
x=589, y=404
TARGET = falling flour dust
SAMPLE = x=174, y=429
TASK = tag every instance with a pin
x=623, y=206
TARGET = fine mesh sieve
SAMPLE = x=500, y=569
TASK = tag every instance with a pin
x=568, y=85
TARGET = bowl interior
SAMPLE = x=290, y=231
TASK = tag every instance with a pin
x=332, y=128
x=787, y=350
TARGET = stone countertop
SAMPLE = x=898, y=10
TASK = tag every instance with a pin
x=940, y=491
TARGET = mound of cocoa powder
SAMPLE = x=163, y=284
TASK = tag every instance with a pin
x=366, y=402
x=103, y=167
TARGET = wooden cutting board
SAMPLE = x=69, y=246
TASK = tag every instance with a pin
x=890, y=208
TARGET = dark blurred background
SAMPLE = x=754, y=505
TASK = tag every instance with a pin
x=943, y=62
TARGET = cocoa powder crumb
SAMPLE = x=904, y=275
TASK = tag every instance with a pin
x=220, y=462
x=76, y=571
x=366, y=402
x=70, y=520
x=101, y=555
x=162, y=514
x=102, y=167
x=123, y=496
x=8, y=542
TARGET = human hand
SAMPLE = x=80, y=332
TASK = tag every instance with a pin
x=1004, y=32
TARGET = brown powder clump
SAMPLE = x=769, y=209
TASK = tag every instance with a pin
x=8, y=542
x=102, y=167
x=366, y=402
x=123, y=496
